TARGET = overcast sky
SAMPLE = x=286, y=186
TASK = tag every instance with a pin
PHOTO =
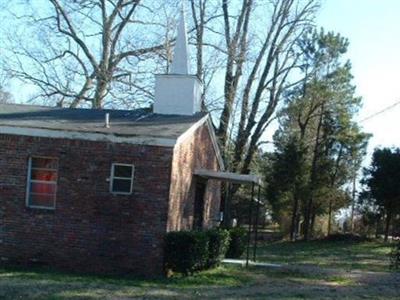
x=373, y=29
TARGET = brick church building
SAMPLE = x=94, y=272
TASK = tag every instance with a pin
x=96, y=190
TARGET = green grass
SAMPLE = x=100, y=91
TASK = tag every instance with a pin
x=369, y=256
x=43, y=283
x=297, y=281
x=220, y=283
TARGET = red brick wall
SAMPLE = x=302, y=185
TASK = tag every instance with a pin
x=196, y=151
x=90, y=229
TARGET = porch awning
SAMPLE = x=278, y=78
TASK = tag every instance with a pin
x=228, y=176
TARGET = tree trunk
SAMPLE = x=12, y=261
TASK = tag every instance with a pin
x=307, y=217
x=101, y=92
x=377, y=228
x=353, y=199
x=313, y=216
x=333, y=183
x=330, y=217
x=294, y=217
x=387, y=227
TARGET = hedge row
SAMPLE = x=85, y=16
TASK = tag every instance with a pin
x=190, y=251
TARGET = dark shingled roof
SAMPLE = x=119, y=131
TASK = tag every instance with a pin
x=139, y=122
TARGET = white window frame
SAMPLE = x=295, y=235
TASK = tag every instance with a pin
x=112, y=177
x=29, y=181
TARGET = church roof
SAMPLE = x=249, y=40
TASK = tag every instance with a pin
x=123, y=123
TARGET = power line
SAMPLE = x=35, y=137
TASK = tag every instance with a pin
x=381, y=111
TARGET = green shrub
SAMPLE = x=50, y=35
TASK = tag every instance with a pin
x=190, y=251
x=218, y=242
x=238, y=242
x=186, y=251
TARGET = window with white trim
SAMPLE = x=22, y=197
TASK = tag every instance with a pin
x=121, y=181
x=42, y=182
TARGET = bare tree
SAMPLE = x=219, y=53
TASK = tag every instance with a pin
x=90, y=51
x=260, y=58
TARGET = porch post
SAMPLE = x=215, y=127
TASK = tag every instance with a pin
x=250, y=224
x=256, y=223
x=227, y=201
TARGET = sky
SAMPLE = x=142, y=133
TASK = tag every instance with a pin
x=373, y=30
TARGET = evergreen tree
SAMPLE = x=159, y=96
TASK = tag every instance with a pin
x=318, y=122
x=381, y=181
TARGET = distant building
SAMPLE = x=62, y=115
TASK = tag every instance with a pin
x=96, y=190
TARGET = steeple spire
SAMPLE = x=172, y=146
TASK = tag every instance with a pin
x=178, y=93
x=180, y=63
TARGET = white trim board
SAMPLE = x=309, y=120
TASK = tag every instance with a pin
x=215, y=144
x=191, y=130
x=90, y=136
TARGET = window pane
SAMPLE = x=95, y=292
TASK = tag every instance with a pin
x=43, y=193
x=123, y=171
x=43, y=188
x=122, y=185
x=41, y=200
x=44, y=163
x=44, y=175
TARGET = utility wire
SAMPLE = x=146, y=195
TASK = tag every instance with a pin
x=381, y=111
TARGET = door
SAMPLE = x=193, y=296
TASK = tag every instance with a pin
x=198, y=215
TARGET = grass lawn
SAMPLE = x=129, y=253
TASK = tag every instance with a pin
x=370, y=256
x=297, y=281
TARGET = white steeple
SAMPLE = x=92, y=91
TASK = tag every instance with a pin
x=180, y=63
x=178, y=93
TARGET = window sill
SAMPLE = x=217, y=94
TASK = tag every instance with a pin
x=43, y=208
x=121, y=194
